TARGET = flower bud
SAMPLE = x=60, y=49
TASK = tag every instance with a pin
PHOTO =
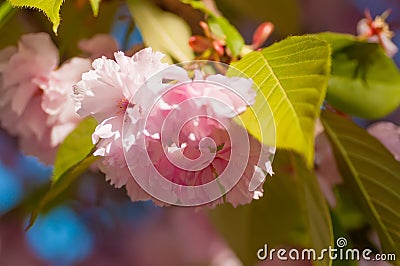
x=261, y=34
x=199, y=43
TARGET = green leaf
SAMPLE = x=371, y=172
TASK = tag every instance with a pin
x=224, y=30
x=163, y=31
x=199, y=5
x=76, y=147
x=50, y=7
x=292, y=76
x=372, y=174
x=292, y=212
x=6, y=12
x=347, y=211
x=221, y=28
x=74, y=157
x=364, y=81
x=95, y=6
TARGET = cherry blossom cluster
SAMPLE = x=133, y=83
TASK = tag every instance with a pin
x=166, y=136
x=36, y=103
x=167, y=133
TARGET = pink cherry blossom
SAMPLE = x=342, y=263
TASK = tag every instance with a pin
x=198, y=110
x=104, y=93
x=377, y=30
x=99, y=45
x=131, y=99
x=36, y=103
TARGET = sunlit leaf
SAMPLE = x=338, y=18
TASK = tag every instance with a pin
x=76, y=147
x=292, y=213
x=74, y=157
x=95, y=6
x=364, y=81
x=163, y=31
x=372, y=174
x=6, y=12
x=292, y=76
x=50, y=7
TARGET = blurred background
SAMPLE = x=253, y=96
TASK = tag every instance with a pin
x=96, y=224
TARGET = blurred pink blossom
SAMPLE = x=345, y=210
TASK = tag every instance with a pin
x=99, y=45
x=36, y=103
x=181, y=236
x=389, y=134
x=326, y=168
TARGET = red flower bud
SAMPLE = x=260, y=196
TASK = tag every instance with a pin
x=199, y=43
x=261, y=34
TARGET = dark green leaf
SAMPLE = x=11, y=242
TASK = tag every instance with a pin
x=339, y=231
x=372, y=173
x=293, y=212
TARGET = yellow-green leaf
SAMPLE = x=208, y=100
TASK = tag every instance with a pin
x=95, y=6
x=50, y=7
x=76, y=147
x=74, y=156
x=6, y=12
x=292, y=76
